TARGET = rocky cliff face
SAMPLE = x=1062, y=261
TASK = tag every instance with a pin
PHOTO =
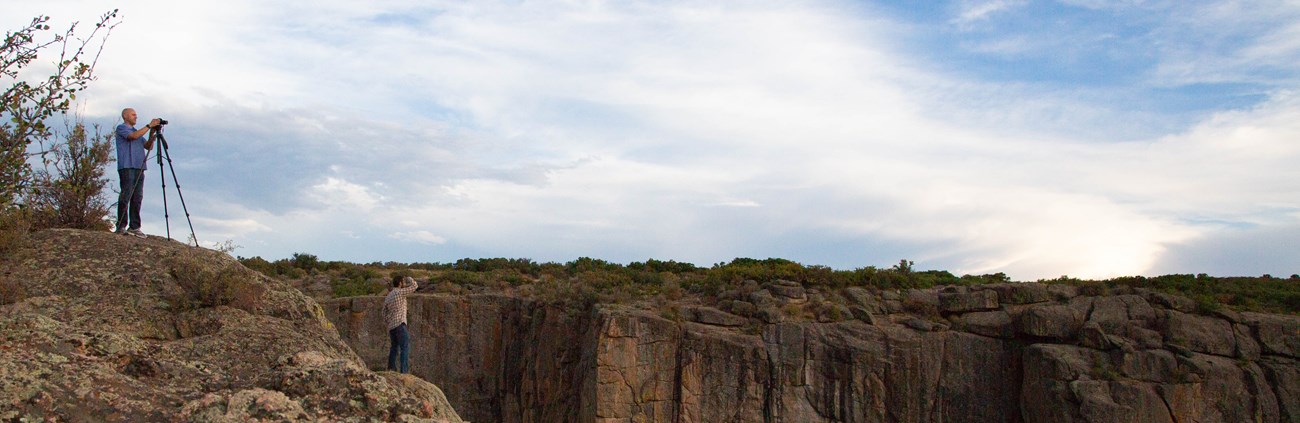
x=999, y=353
x=101, y=327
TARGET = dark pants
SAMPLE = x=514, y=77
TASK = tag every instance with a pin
x=399, y=340
x=132, y=194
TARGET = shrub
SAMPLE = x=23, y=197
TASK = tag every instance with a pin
x=14, y=229
x=357, y=287
x=258, y=264
x=459, y=277
x=671, y=290
x=588, y=264
x=72, y=194
x=602, y=280
x=795, y=310
x=31, y=99
x=522, y=266
x=552, y=271
x=201, y=285
x=10, y=291
x=984, y=279
x=1207, y=304
x=574, y=296
x=1291, y=301
x=657, y=266
x=1092, y=288
x=649, y=279
x=1105, y=371
x=671, y=312
x=304, y=261
x=507, y=277
x=589, y=280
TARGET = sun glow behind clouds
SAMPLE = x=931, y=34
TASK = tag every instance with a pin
x=703, y=131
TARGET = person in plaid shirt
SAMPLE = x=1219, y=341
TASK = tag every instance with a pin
x=399, y=339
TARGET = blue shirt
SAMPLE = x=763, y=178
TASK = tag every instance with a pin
x=130, y=153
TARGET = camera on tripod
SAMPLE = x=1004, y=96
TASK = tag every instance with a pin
x=162, y=121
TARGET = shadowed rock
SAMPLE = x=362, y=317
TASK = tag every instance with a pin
x=1049, y=355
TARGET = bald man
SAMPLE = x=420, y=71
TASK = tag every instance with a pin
x=132, y=147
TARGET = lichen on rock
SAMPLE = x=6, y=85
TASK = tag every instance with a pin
x=114, y=328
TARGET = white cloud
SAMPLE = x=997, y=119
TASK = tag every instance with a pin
x=339, y=194
x=424, y=237
x=1229, y=42
x=736, y=203
x=977, y=10
x=695, y=131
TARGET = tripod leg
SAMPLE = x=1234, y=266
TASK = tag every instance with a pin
x=163, y=178
x=166, y=152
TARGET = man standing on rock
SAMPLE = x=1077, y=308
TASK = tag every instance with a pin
x=399, y=338
x=132, y=147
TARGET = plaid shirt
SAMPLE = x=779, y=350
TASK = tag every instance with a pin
x=395, y=305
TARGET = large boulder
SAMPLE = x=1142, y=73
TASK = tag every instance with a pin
x=1060, y=322
x=715, y=317
x=964, y=302
x=860, y=297
x=1277, y=334
x=996, y=324
x=786, y=291
x=1023, y=293
x=1076, y=384
x=1202, y=334
x=114, y=328
x=1168, y=301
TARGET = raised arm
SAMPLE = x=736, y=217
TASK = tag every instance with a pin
x=140, y=133
x=409, y=285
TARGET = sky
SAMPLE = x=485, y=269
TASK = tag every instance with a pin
x=1088, y=138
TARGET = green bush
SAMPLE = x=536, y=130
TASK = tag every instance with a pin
x=520, y=266
x=357, y=287
x=460, y=277
x=14, y=230
x=68, y=192
x=588, y=280
x=304, y=261
x=656, y=266
x=201, y=286
x=11, y=291
x=1093, y=288
x=572, y=295
x=13, y=235
x=35, y=95
x=259, y=264
x=508, y=277
x=1207, y=304
x=588, y=264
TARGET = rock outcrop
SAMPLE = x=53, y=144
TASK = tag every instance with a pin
x=998, y=353
x=113, y=328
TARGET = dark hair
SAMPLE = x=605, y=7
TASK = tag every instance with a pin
x=397, y=280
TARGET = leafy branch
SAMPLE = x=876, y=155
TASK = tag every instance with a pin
x=26, y=104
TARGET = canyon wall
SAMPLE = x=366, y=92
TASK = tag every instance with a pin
x=1004, y=353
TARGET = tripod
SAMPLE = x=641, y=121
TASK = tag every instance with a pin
x=163, y=152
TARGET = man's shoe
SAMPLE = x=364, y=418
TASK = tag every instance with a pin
x=136, y=232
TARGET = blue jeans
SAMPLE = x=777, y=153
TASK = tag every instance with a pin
x=131, y=182
x=399, y=339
